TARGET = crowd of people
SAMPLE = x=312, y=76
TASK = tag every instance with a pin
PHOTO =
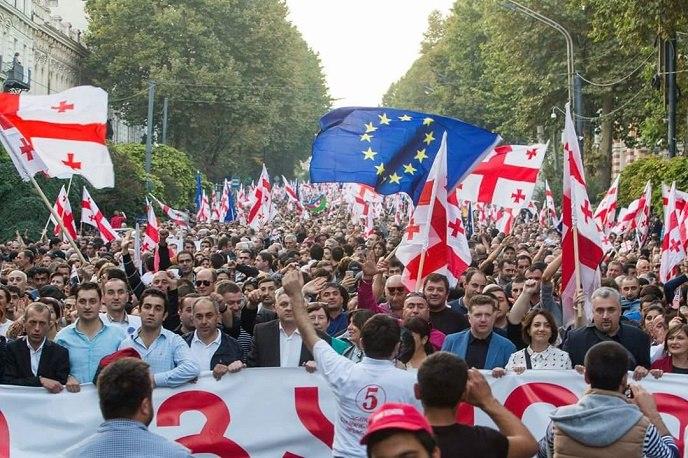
x=316, y=293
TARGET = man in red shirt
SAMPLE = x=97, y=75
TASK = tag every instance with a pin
x=118, y=219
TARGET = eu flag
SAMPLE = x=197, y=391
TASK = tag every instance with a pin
x=199, y=191
x=392, y=150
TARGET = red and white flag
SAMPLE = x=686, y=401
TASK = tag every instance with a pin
x=151, y=235
x=577, y=213
x=64, y=210
x=681, y=198
x=292, y=195
x=435, y=232
x=91, y=214
x=504, y=220
x=642, y=219
x=23, y=156
x=66, y=130
x=606, y=210
x=203, y=214
x=672, y=248
x=506, y=177
x=178, y=217
x=261, y=210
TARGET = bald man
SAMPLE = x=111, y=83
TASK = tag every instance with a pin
x=395, y=292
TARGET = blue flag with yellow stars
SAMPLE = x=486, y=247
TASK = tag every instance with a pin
x=392, y=150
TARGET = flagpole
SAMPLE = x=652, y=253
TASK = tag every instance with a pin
x=47, y=223
x=433, y=195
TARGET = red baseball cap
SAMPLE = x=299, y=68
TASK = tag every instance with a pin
x=395, y=415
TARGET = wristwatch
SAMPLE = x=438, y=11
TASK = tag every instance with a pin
x=223, y=310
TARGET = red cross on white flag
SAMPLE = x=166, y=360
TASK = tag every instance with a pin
x=22, y=154
x=672, y=248
x=435, y=236
x=91, y=215
x=575, y=207
x=506, y=177
x=64, y=210
x=66, y=131
x=151, y=235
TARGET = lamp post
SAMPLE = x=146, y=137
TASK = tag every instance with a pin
x=574, y=88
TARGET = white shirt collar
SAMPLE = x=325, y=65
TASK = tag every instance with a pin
x=217, y=339
x=296, y=331
x=40, y=347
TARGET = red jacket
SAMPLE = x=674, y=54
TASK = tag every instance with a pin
x=664, y=363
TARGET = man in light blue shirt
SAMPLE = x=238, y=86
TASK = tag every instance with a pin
x=88, y=339
x=125, y=391
x=167, y=353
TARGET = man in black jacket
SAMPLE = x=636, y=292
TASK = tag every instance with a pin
x=34, y=360
x=211, y=348
x=606, y=325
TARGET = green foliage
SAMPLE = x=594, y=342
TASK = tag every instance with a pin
x=656, y=169
x=505, y=71
x=243, y=85
x=172, y=179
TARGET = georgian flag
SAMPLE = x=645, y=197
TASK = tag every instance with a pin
x=606, y=210
x=576, y=212
x=261, y=210
x=65, y=130
x=435, y=232
x=672, y=248
x=203, y=214
x=178, y=217
x=151, y=235
x=64, y=210
x=91, y=215
x=506, y=177
x=292, y=194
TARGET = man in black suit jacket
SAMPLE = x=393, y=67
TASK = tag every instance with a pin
x=267, y=336
x=34, y=360
x=606, y=325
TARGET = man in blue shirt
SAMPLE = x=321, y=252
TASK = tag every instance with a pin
x=125, y=391
x=88, y=339
x=167, y=353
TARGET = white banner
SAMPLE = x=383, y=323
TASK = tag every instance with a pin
x=275, y=412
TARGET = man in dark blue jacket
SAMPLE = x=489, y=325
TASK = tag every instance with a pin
x=606, y=325
x=211, y=348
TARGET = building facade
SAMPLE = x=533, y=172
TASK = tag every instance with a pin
x=38, y=49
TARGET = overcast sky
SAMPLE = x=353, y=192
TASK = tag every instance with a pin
x=364, y=45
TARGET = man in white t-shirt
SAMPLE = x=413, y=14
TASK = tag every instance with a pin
x=360, y=388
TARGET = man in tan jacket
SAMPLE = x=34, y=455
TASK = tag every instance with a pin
x=612, y=418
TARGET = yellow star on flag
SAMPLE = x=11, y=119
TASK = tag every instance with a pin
x=394, y=178
x=405, y=118
x=408, y=168
x=384, y=119
x=429, y=138
x=369, y=154
x=380, y=168
x=366, y=137
x=420, y=155
x=369, y=127
x=427, y=121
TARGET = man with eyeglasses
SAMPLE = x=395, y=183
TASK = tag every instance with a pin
x=395, y=292
x=205, y=281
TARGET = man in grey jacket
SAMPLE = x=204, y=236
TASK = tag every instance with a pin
x=612, y=418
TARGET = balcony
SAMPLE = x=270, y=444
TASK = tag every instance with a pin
x=15, y=79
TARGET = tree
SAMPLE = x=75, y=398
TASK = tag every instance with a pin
x=507, y=72
x=243, y=85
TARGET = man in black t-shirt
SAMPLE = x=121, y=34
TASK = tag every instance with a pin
x=442, y=318
x=442, y=380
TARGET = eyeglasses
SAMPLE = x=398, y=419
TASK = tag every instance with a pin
x=203, y=282
x=396, y=289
